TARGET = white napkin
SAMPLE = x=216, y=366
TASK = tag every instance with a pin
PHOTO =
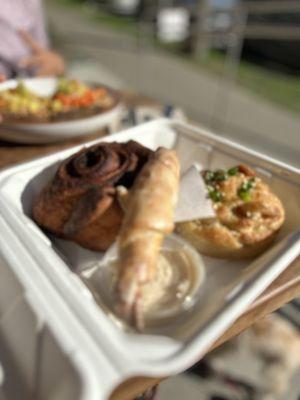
x=193, y=201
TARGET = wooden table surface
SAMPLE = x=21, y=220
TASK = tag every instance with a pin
x=285, y=288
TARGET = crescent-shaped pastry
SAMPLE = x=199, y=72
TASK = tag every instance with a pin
x=149, y=217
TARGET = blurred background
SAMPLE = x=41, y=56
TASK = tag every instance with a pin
x=231, y=65
x=234, y=67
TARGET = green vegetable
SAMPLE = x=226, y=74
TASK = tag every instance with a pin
x=220, y=175
x=215, y=195
x=208, y=176
x=248, y=185
x=244, y=191
x=251, y=183
x=233, y=171
x=244, y=195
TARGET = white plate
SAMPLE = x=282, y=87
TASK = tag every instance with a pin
x=54, y=131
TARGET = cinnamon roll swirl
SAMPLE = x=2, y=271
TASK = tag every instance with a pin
x=80, y=203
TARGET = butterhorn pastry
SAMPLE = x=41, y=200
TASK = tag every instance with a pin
x=149, y=217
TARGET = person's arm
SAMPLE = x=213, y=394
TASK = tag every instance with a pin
x=45, y=62
x=2, y=78
x=39, y=31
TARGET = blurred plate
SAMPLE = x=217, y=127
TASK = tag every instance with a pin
x=71, y=126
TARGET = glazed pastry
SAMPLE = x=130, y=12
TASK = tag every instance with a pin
x=248, y=215
x=80, y=202
x=149, y=217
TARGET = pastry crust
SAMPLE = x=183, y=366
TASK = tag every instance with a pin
x=80, y=203
x=148, y=218
x=246, y=221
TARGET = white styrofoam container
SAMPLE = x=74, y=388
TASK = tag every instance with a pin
x=57, y=342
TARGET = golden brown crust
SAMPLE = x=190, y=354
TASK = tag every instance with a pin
x=242, y=227
x=80, y=203
x=154, y=195
x=148, y=218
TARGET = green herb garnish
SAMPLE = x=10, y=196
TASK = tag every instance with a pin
x=215, y=195
x=220, y=175
x=244, y=190
x=233, y=171
x=209, y=176
x=251, y=183
x=244, y=195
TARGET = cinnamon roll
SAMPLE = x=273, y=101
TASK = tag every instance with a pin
x=80, y=203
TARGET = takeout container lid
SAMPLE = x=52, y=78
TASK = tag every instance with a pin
x=67, y=348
